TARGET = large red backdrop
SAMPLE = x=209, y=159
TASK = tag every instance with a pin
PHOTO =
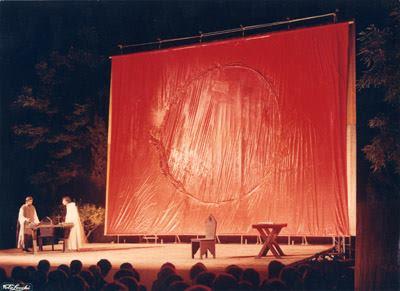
x=249, y=129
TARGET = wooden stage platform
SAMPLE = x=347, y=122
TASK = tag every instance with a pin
x=147, y=258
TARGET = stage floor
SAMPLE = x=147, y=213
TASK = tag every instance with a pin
x=147, y=258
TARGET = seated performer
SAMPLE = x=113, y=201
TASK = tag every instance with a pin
x=76, y=236
x=27, y=217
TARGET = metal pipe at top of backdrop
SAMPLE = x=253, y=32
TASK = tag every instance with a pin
x=201, y=36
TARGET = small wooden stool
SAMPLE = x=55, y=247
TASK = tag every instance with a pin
x=204, y=245
x=208, y=243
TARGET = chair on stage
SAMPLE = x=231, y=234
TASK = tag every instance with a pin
x=208, y=243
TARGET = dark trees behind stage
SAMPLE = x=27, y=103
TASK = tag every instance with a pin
x=60, y=118
x=378, y=197
x=54, y=102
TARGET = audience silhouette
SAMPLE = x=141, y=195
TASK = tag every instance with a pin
x=313, y=275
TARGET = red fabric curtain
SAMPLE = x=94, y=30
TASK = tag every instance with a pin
x=249, y=130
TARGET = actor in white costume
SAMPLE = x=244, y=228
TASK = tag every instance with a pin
x=27, y=217
x=76, y=236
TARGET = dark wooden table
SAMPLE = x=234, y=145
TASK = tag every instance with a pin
x=269, y=233
x=54, y=231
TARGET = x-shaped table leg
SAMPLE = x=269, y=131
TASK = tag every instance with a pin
x=270, y=243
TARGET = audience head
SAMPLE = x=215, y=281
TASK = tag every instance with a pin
x=75, y=267
x=127, y=273
x=198, y=288
x=115, y=286
x=274, y=285
x=57, y=280
x=105, y=266
x=98, y=278
x=168, y=265
x=65, y=269
x=126, y=266
x=162, y=275
x=39, y=279
x=123, y=273
x=165, y=272
x=290, y=277
x=44, y=266
x=225, y=281
x=171, y=279
x=196, y=269
x=178, y=286
x=252, y=276
x=19, y=274
x=30, y=269
x=245, y=285
x=129, y=283
x=77, y=283
x=135, y=274
x=89, y=278
x=206, y=279
x=274, y=269
x=235, y=271
x=57, y=276
x=94, y=269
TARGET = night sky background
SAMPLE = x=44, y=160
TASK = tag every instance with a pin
x=29, y=31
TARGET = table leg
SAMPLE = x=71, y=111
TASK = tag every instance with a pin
x=270, y=243
x=278, y=248
x=34, y=242
x=65, y=244
x=195, y=248
x=270, y=240
x=40, y=243
x=274, y=243
x=265, y=248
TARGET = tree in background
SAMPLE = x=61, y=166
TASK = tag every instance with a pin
x=92, y=217
x=377, y=254
x=380, y=53
x=61, y=117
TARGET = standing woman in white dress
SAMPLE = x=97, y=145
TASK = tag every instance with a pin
x=76, y=236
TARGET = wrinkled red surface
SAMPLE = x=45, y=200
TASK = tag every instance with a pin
x=250, y=130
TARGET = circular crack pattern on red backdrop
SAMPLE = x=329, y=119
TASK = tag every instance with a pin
x=218, y=137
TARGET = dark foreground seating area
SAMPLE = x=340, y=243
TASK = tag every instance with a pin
x=319, y=274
